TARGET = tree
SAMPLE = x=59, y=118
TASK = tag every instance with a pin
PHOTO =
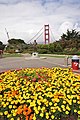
x=1, y=43
x=58, y=48
x=2, y=46
x=71, y=35
x=51, y=47
x=15, y=41
x=16, y=45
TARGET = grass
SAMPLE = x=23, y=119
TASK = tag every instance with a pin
x=54, y=55
x=40, y=55
x=11, y=55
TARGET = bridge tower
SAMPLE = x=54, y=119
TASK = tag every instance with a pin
x=46, y=34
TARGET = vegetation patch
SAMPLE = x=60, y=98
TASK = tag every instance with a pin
x=39, y=94
x=11, y=55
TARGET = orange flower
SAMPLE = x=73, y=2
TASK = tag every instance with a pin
x=14, y=93
x=25, y=108
x=19, y=110
x=31, y=116
x=25, y=113
x=9, y=94
x=0, y=80
x=29, y=111
x=27, y=117
x=0, y=87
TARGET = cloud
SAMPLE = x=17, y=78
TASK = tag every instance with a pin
x=24, y=18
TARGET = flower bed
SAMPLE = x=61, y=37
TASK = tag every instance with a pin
x=39, y=94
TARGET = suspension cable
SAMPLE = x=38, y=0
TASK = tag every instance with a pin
x=52, y=35
x=39, y=36
x=35, y=35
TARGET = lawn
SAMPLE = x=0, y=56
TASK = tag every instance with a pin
x=54, y=55
x=12, y=55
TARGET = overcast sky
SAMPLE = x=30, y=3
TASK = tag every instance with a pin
x=24, y=18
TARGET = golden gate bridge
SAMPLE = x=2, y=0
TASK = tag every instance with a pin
x=46, y=31
x=47, y=35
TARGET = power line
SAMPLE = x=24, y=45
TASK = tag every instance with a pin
x=35, y=35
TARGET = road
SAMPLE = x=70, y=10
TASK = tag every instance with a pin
x=11, y=63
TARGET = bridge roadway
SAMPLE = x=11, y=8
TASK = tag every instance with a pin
x=11, y=63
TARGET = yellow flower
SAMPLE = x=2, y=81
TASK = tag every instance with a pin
x=67, y=112
x=9, y=115
x=53, y=110
x=43, y=108
x=1, y=113
x=12, y=119
x=44, y=100
x=50, y=103
x=78, y=102
x=39, y=107
x=36, y=111
x=10, y=99
x=34, y=117
x=69, y=96
x=0, y=96
x=4, y=105
x=52, y=116
x=59, y=109
x=47, y=115
x=79, y=112
x=74, y=101
x=64, y=102
x=29, y=101
x=39, y=102
x=68, y=108
x=32, y=104
x=6, y=112
x=41, y=114
x=55, y=104
x=75, y=110
x=14, y=114
x=62, y=106
x=12, y=102
x=7, y=103
x=18, y=118
x=10, y=106
x=14, y=106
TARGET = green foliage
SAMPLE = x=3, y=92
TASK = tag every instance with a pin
x=43, y=46
x=58, y=48
x=43, y=51
x=16, y=41
x=16, y=45
x=51, y=47
x=78, y=52
x=73, y=34
x=1, y=43
x=2, y=46
x=68, y=44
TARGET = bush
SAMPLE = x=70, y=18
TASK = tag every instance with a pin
x=43, y=51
